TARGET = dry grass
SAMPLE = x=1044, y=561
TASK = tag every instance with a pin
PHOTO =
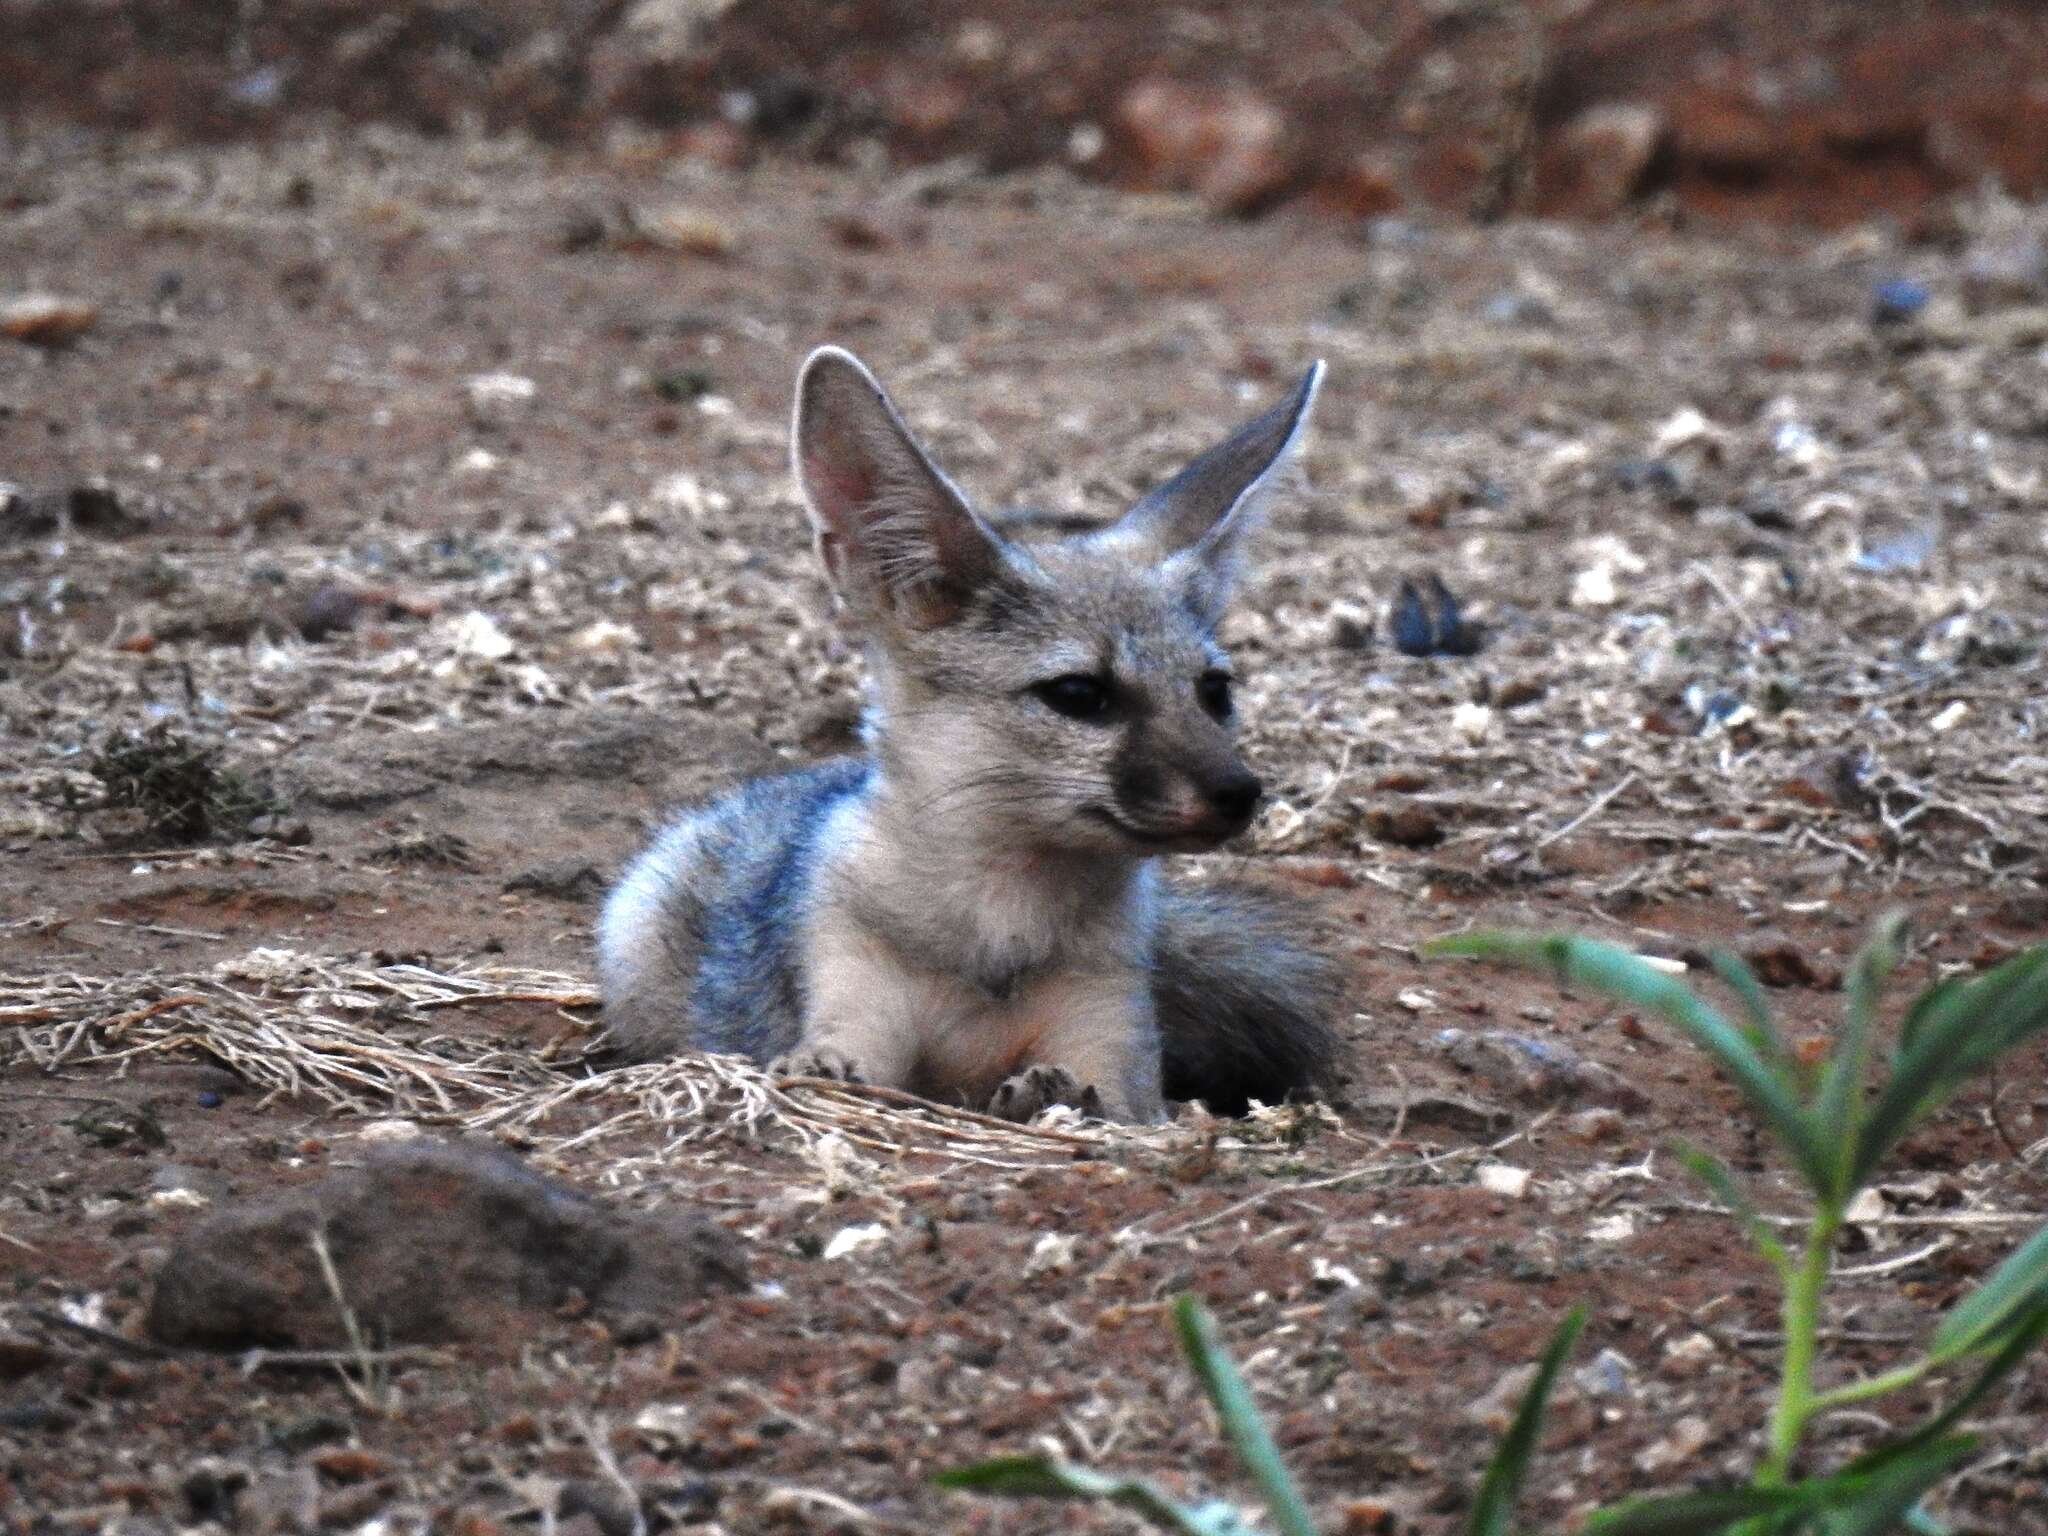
x=361, y=1041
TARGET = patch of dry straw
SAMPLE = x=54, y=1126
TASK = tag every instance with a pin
x=366, y=1040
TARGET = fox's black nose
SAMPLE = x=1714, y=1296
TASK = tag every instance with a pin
x=1234, y=797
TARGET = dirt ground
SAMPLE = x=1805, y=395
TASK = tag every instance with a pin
x=440, y=487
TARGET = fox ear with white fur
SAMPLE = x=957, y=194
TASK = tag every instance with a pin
x=1199, y=519
x=897, y=539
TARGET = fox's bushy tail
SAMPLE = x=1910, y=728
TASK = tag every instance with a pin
x=1248, y=1000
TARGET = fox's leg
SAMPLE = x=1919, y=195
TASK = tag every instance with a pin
x=1097, y=1048
x=864, y=1019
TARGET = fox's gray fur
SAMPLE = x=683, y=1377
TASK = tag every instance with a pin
x=974, y=911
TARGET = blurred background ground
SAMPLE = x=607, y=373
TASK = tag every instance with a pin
x=1823, y=111
x=394, y=519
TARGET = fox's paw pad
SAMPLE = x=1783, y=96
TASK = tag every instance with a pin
x=1033, y=1091
x=834, y=1066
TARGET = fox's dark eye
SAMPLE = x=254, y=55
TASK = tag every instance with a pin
x=1077, y=696
x=1214, y=693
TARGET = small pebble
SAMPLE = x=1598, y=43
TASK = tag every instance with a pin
x=46, y=319
x=1897, y=301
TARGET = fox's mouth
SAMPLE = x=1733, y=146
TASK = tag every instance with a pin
x=1187, y=839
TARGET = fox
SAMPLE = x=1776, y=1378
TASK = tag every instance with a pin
x=973, y=910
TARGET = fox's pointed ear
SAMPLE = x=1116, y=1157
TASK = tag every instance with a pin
x=897, y=539
x=1200, y=517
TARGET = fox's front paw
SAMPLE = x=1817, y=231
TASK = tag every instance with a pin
x=835, y=1066
x=1030, y=1093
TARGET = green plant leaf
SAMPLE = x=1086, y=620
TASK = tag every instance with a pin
x=1883, y=1500
x=1619, y=974
x=1719, y=1178
x=1756, y=1009
x=1043, y=1477
x=1693, y=1514
x=1494, y=1506
x=2015, y=1288
x=2027, y=1332
x=1940, y=995
x=1242, y=1425
x=1958, y=1032
x=1838, y=1106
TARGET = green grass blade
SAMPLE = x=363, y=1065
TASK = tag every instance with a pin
x=1735, y=972
x=1959, y=1031
x=2016, y=1287
x=1888, y=1496
x=1242, y=1425
x=1717, y=1176
x=2026, y=1333
x=1619, y=974
x=1838, y=1106
x=1502, y=1485
x=1941, y=996
x=1042, y=1477
x=1692, y=1514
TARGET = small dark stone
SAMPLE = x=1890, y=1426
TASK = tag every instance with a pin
x=1405, y=826
x=1778, y=962
x=604, y=1502
x=1427, y=621
x=1647, y=475
x=331, y=609
x=571, y=881
x=274, y=511
x=30, y=1414
x=1897, y=301
x=279, y=829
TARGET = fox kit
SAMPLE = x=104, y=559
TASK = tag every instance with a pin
x=974, y=911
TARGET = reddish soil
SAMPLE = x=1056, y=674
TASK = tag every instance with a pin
x=1816, y=111
x=280, y=390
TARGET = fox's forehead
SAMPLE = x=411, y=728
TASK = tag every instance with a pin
x=1086, y=613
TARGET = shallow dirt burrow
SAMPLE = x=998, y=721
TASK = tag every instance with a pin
x=460, y=537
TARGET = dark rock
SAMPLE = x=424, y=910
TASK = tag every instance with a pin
x=330, y=609
x=1405, y=826
x=430, y=1242
x=21, y=1357
x=1832, y=781
x=99, y=509
x=1778, y=962
x=1539, y=1071
x=605, y=1503
x=1427, y=621
x=570, y=881
x=281, y=829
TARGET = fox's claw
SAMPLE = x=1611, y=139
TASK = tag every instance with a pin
x=1028, y=1094
x=835, y=1066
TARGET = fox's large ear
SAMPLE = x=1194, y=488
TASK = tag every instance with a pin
x=897, y=539
x=1199, y=518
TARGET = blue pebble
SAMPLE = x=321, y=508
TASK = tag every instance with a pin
x=210, y=1100
x=1897, y=301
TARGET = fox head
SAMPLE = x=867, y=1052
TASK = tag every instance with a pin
x=1068, y=694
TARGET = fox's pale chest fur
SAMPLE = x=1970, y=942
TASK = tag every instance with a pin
x=974, y=912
